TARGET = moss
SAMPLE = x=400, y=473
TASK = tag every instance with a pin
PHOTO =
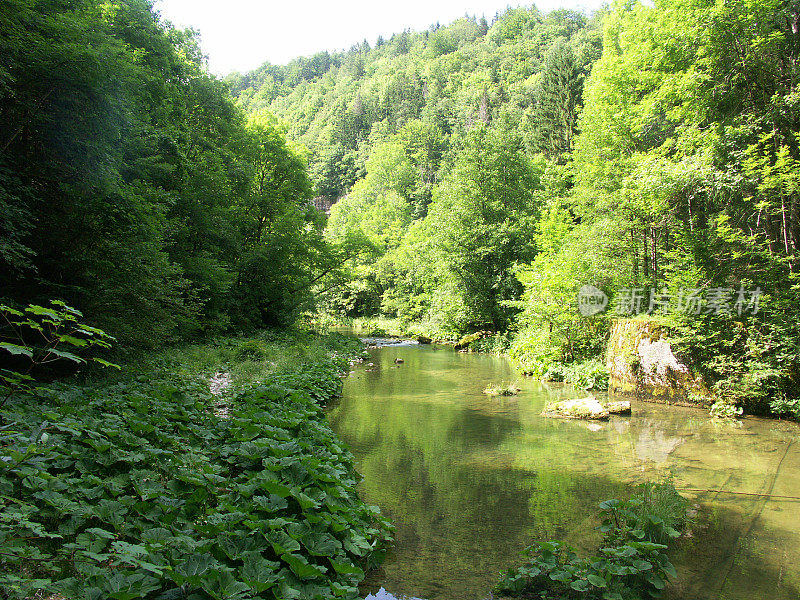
x=629, y=376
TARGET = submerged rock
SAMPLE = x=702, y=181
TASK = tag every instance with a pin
x=581, y=408
x=620, y=407
x=424, y=340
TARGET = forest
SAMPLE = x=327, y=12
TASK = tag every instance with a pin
x=485, y=172
x=479, y=175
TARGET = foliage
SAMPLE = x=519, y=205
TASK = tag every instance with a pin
x=492, y=344
x=42, y=336
x=632, y=562
x=587, y=375
x=785, y=407
x=425, y=144
x=137, y=489
x=132, y=187
x=725, y=410
x=250, y=349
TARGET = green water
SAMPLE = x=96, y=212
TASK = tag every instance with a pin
x=469, y=480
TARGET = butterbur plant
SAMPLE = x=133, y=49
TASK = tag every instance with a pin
x=41, y=336
x=138, y=490
x=630, y=564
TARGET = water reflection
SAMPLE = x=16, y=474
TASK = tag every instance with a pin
x=470, y=480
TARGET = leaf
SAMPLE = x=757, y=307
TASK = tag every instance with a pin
x=101, y=533
x=596, y=580
x=656, y=581
x=271, y=503
x=282, y=543
x=194, y=567
x=346, y=568
x=273, y=487
x=16, y=349
x=321, y=544
x=580, y=585
x=301, y=567
x=43, y=312
x=222, y=585
x=669, y=569
x=258, y=572
x=73, y=341
x=67, y=355
x=642, y=565
x=105, y=363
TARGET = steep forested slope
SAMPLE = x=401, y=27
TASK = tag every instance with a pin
x=488, y=171
x=133, y=188
x=455, y=122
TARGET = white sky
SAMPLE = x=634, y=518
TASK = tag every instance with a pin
x=240, y=35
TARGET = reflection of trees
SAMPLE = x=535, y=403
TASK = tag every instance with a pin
x=470, y=481
x=445, y=471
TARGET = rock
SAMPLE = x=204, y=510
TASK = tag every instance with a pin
x=382, y=594
x=219, y=383
x=642, y=363
x=465, y=341
x=582, y=408
x=620, y=407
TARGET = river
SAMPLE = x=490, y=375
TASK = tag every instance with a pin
x=470, y=480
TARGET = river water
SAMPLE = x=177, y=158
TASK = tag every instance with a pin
x=470, y=480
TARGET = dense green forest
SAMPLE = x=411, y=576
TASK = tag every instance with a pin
x=487, y=171
x=134, y=188
x=482, y=172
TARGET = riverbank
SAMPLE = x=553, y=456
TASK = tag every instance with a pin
x=586, y=375
x=638, y=359
x=207, y=468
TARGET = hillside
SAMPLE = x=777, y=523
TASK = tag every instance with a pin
x=488, y=171
x=342, y=105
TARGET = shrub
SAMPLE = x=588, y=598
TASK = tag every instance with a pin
x=498, y=343
x=785, y=407
x=630, y=564
x=587, y=375
x=502, y=389
x=725, y=410
x=251, y=350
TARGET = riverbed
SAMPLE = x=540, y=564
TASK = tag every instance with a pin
x=470, y=480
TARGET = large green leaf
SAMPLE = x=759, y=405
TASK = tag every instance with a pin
x=16, y=349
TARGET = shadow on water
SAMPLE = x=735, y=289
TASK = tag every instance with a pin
x=470, y=480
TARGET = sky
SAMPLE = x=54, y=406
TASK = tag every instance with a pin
x=240, y=35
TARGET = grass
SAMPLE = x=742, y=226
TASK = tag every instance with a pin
x=249, y=360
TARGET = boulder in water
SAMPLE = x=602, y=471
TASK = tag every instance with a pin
x=465, y=341
x=620, y=407
x=581, y=408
